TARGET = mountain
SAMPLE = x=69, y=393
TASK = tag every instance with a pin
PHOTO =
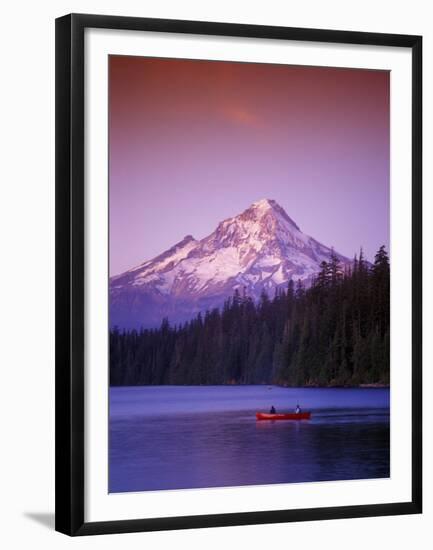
x=261, y=248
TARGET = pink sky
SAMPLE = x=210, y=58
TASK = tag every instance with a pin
x=195, y=142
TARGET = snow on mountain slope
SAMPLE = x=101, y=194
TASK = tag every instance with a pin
x=261, y=248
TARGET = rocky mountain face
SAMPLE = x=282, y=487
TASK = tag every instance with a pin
x=261, y=248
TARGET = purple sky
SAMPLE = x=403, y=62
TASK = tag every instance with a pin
x=195, y=142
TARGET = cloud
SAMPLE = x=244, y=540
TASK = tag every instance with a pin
x=241, y=116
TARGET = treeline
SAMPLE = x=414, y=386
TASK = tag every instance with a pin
x=335, y=333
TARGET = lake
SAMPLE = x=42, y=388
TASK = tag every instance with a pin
x=179, y=437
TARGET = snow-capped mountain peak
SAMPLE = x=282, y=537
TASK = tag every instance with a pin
x=261, y=248
x=265, y=207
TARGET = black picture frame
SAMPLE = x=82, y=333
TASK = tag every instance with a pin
x=70, y=283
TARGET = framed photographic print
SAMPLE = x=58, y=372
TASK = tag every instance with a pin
x=238, y=274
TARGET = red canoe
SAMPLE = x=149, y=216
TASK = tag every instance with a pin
x=283, y=416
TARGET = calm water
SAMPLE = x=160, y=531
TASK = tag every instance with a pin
x=177, y=437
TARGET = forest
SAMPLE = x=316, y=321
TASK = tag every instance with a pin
x=335, y=332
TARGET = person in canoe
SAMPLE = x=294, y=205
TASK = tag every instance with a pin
x=272, y=411
x=298, y=409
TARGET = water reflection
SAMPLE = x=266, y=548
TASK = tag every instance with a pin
x=166, y=438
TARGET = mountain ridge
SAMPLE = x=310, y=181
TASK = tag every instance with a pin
x=261, y=248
